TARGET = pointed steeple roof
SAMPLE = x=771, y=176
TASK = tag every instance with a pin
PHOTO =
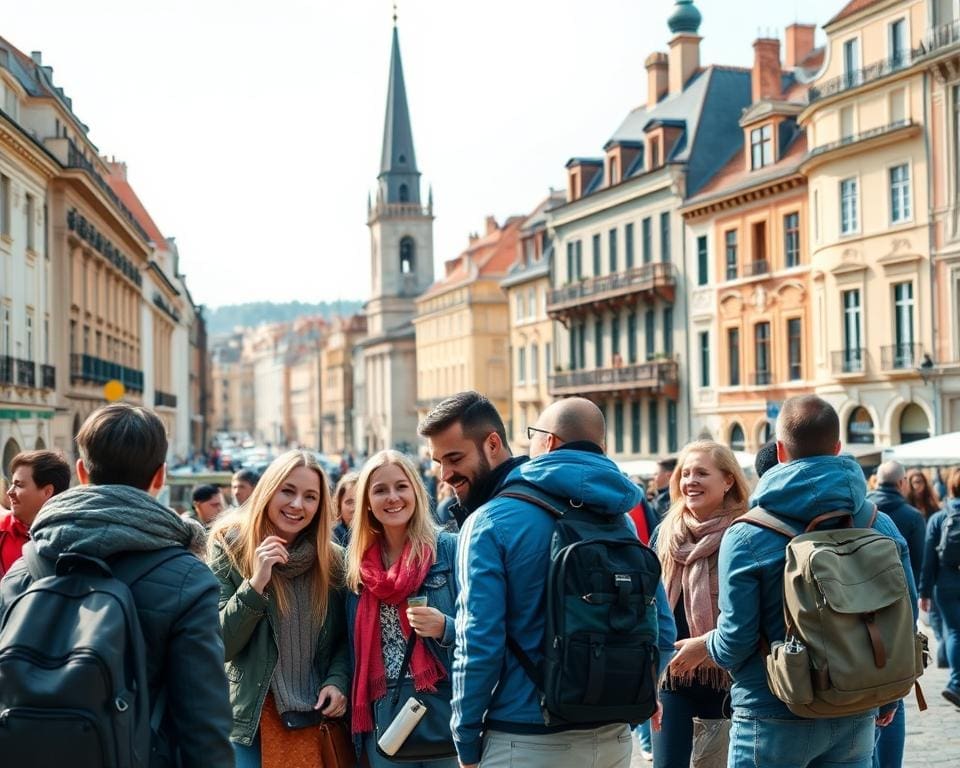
x=398, y=155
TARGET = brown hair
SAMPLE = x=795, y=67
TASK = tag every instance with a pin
x=242, y=531
x=953, y=483
x=122, y=444
x=808, y=426
x=344, y=484
x=46, y=467
x=477, y=416
x=925, y=500
x=365, y=528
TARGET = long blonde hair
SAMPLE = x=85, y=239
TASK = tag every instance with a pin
x=735, y=500
x=240, y=533
x=365, y=528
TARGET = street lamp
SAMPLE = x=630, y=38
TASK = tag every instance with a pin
x=930, y=376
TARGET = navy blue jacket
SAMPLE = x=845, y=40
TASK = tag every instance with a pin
x=933, y=574
x=908, y=520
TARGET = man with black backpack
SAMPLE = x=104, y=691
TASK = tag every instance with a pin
x=549, y=552
x=110, y=647
x=806, y=694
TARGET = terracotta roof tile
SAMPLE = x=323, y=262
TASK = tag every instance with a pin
x=851, y=8
x=117, y=179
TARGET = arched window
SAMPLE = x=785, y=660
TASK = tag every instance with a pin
x=860, y=426
x=914, y=424
x=10, y=450
x=767, y=432
x=737, y=438
x=404, y=193
x=408, y=252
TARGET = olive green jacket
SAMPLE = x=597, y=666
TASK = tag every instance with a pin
x=248, y=621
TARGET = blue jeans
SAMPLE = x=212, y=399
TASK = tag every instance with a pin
x=936, y=624
x=948, y=601
x=673, y=743
x=247, y=757
x=764, y=742
x=643, y=736
x=888, y=747
x=379, y=761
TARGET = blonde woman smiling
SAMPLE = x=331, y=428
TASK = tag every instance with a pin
x=281, y=613
x=395, y=553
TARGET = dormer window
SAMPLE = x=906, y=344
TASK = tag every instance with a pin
x=761, y=147
x=614, y=170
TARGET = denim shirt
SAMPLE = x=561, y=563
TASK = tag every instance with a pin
x=933, y=574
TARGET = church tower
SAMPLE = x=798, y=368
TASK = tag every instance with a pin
x=401, y=227
x=401, y=268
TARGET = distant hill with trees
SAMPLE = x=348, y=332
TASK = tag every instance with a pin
x=224, y=319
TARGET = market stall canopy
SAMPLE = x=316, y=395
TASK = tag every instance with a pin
x=939, y=451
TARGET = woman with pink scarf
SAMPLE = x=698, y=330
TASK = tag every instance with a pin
x=708, y=491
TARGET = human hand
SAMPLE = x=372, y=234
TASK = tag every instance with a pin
x=691, y=653
x=331, y=702
x=427, y=621
x=272, y=551
x=925, y=604
x=656, y=719
x=884, y=720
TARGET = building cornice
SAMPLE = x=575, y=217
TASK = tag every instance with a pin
x=25, y=147
x=626, y=192
x=748, y=193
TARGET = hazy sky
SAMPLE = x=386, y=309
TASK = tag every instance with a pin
x=252, y=130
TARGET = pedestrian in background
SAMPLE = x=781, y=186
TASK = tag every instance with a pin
x=661, y=502
x=920, y=494
x=940, y=579
x=344, y=503
x=206, y=505
x=37, y=477
x=282, y=616
x=395, y=554
x=710, y=491
x=241, y=486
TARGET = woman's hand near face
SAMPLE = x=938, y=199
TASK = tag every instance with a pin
x=272, y=551
x=427, y=621
x=331, y=702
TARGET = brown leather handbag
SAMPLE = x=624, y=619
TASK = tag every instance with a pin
x=336, y=747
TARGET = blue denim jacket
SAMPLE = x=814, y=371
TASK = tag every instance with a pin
x=933, y=575
x=751, y=561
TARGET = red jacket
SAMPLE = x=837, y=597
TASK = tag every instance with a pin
x=13, y=535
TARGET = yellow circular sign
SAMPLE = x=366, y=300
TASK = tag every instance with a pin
x=114, y=390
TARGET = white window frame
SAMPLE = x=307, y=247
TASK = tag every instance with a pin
x=906, y=39
x=855, y=227
x=905, y=196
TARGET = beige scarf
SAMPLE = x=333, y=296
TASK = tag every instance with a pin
x=692, y=571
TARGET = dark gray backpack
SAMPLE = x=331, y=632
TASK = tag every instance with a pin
x=73, y=680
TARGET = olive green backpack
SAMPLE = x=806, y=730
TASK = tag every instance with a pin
x=851, y=643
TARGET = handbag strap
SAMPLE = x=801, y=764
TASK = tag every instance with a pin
x=405, y=666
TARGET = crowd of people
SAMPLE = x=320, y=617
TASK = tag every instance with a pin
x=301, y=625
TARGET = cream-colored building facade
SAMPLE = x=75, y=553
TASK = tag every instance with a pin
x=869, y=225
x=231, y=387
x=462, y=325
x=338, y=385
x=531, y=329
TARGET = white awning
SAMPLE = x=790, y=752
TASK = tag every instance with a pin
x=939, y=451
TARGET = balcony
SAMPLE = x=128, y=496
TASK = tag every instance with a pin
x=6, y=370
x=646, y=282
x=654, y=376
x=756, y=268
x=164, y=399
x=940, y=50
x=849, y=361
x=850, y=80
x=905, y=356
x=48, y=377
x=761, y=378
x=26, y=373
x=94, y=370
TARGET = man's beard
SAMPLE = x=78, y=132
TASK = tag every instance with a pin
x=478, y=490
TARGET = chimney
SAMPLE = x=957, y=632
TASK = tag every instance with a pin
x=684, y=60
x=37, y=57
x=491, y=224
x=799, y=44
x=657, y=82
x=766, y=69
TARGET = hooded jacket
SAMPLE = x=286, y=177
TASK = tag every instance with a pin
x=908, y=520
x=176, y=605
x=751, y=562
x=503, y=556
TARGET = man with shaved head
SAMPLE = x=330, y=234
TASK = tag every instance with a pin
x=890, y=497
x=503, y=556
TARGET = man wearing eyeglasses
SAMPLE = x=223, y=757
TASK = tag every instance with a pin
x=503, y=556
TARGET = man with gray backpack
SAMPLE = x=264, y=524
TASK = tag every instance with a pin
x=110, y=647
x=817, y=607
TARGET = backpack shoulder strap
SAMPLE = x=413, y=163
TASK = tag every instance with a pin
x=133, y=566
x=532, y=495
x=761, y=518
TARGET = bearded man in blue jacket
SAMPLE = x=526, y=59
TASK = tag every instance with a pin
x=503, y=556
x=810, y=480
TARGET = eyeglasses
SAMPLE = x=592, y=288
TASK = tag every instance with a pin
x=532, y=430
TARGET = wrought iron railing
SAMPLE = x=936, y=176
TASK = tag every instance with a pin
x=756, y=268
x=6, y=369
x=940, y=37
x=862, y=136
x=48, y=377
x=858, y=77
x=903, y=356
x=652, y=375
x=644, y=277
x=98, y=371
x=761, y=378
x=26, y=373
x=850, y=360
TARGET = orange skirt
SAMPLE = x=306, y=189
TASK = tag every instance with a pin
x=283, y=748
